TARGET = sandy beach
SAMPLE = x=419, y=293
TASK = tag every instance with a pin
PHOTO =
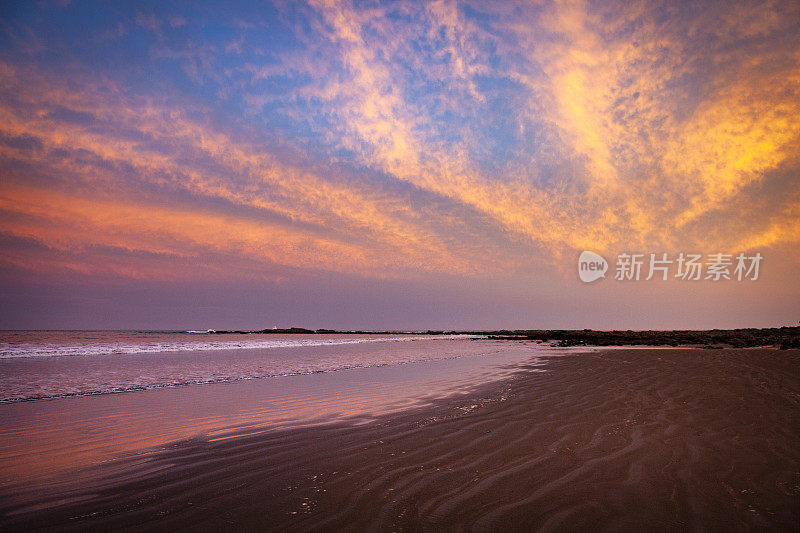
x=383, y=266
x=625, y=439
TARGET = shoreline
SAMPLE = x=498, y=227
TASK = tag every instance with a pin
x=45, y=437
x=784, y=337
x=622, y=438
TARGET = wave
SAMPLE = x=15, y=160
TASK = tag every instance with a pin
x=182, y=382
x=22, y=350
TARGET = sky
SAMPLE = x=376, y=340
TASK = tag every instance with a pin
x=397, y=165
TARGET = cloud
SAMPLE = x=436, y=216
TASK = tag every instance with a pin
x=403, y=139
x=129, y=155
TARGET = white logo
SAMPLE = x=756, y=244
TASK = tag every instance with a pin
x=591, y=267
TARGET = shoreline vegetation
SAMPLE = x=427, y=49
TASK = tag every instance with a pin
x=785, y=337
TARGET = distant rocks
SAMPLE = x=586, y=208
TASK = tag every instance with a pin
x=302, y=331
x=784, y=337
x=791, y=344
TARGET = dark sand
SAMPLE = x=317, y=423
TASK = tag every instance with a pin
x=624, y=440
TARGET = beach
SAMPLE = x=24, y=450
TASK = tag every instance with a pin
x=619, y=439
x=359, y=266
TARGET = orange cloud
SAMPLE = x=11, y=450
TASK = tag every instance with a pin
x=647, y=133
x=378, y=234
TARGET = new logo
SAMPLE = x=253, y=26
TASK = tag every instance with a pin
x=591, y=267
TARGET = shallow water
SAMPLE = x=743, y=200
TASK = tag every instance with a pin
x=225, y=392
x=49, y=364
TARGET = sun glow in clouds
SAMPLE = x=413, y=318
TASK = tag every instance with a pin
x=393, y=140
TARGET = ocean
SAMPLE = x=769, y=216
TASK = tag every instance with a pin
x=52, y=364
x=73, y=399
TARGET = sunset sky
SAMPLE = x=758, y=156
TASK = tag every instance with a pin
x=394, y=164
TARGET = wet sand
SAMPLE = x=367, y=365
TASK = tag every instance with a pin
x=629, y=440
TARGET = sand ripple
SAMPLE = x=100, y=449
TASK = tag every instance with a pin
x=627, y=440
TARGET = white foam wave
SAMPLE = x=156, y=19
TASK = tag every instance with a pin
x=22, y=350
x=143, y=382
